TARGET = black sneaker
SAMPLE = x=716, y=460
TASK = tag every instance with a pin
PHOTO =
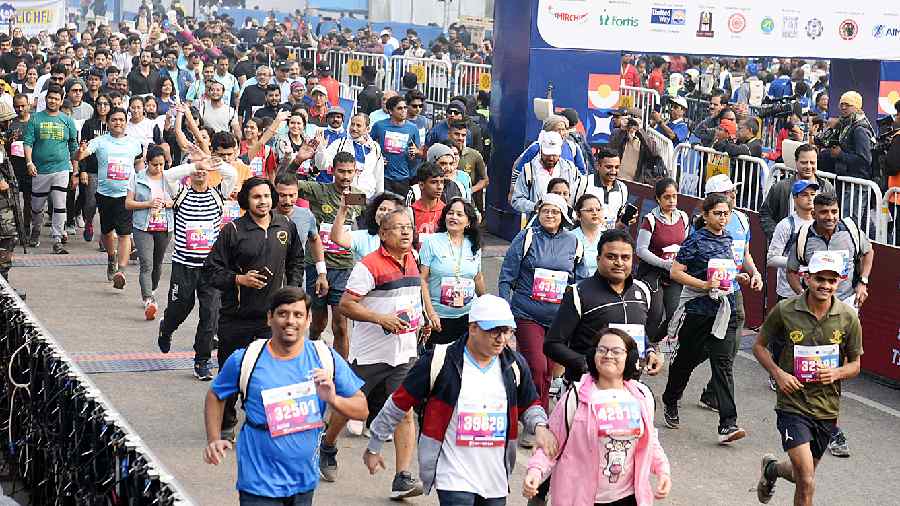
x=34, y=242
x=203, y=371
x=670, y=414
x=328, y=465
x=730, y=434
x=163, y=341
x=765, y=488
x=405, y=486
x=59, y=249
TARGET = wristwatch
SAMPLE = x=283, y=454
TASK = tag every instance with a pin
x=864, y=280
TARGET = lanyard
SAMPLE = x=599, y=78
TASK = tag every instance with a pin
x=457, y=270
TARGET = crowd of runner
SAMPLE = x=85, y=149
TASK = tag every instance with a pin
x=284, y=211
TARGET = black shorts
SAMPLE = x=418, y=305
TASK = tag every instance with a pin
x=113, y=215
x=376, y=375
x=337, y=283
x=796, y=429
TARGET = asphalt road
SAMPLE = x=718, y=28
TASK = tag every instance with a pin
x=89, y=317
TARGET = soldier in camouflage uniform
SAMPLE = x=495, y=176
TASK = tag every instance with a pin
x=10, y=215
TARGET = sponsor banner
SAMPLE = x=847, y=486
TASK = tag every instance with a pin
x=34, y=16
x=867, y=29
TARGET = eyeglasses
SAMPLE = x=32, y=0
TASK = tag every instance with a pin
x=550, y=212
x=720, y=214
x=616, y=351
x=417, y=106
x=500, y=333
x=76, y=90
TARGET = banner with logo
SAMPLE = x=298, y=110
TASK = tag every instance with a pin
x=864, y=29
x=34, y=16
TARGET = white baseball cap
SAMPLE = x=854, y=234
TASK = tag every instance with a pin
x=550, y=142
x=719, y=183
x=826, y=261
x=680, y=101
x=490, y=312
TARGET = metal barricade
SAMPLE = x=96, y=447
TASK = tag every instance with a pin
x=890, y=204
x=434, y=77
x=645, y=99
x=780, y=171
x=302, y=54
x=470, y=78
x=768, y=128
x=689, y=165
x=751, y=175
x=664, y=148
x=347, y=67
x=697, y=111
x=859, y=199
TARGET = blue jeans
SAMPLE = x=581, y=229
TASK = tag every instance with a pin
x=301, y=499
x=455, y=498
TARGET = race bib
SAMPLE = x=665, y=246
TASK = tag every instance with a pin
x=548, y=286
x=670, y=252
x=199, y=236
x=481, y=424
x=636, y=331
x=331, y=247
x=457, y=292
x=17, y=148
x=395, y=142
x=231, y=211
x=722, y=270
x=256, y=167
x=738, y=248
x=411, y=315
x=118, y=169
x=292, y=408
x=618, y=414
x=157, y=221
x=808, y=359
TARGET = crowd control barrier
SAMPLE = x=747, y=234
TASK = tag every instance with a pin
x=695, y=164
x=664, y=148
x=470, y=78
x=889, y=216
x=347, y=67
x=697, y=111
x=645, y=99
x=435, y=77
x=64, y=441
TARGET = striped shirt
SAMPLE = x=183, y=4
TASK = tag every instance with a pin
x=386, y=287
x=197, y=222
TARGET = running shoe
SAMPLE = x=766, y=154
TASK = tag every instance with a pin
x=405, y=486
x=59, y=249
x=203, y=371
x=150, y=309
x=79, y=221
x=88, y=234
x=356, y=427
x=838, y=445
x=34, y=242
x=163, y=341
x=670, y=414
x=70, y=228
x=730, y=434
x=765, y=488
x=709, y=403
x=64, y=238
x=328, y=465
x=119, y=280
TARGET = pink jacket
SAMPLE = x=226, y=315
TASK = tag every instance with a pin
x=575, y=471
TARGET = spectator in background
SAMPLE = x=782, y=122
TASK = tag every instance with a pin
x=676, y=129
x=853, y=156
x=656, y=80
x=530, y=186
x=408, y=82
x=330, y=84
x=778, y=204
x=629, y=73
x=748, y=142
x=369, y=99
x=577, y=137
x=705, y=131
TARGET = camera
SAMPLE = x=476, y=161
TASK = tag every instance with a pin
x=780, y=108
x=829, y=137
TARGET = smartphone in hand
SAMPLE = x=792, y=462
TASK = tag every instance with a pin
x=355, y=199
x=629, y=211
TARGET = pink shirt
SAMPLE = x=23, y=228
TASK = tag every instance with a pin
x=616, y=476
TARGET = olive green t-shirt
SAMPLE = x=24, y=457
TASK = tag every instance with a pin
x=324, y=201
x=791, y=322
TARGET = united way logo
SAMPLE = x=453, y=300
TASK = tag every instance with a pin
x=848, y=29
x=767, y=25
x=790, y=27
x=814, y=28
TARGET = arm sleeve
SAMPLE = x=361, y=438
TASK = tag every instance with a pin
x=775, y=255
x=217, y=267
x=28, y=136
x=644, y=253
x=556, y=341
x=862, y=155
x=509, y=270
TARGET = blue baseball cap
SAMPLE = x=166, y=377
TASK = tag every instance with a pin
x=803, y=184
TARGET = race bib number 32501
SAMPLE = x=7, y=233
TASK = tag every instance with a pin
x=292, y=408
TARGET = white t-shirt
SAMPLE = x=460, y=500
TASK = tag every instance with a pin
x=477, y=469
x=142, y=131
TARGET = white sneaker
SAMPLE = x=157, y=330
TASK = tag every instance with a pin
x=355, y=427
x=79, y=221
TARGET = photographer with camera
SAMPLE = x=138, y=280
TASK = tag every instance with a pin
x=847, y=147
x=676, y=129
x=705, y=131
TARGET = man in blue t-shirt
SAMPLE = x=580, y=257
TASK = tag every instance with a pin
x=676, y=129
x=286, y=396
x=399, y=141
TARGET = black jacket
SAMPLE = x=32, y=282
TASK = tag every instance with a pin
x=243, y=246
x=253, y=96
x=369, y=99
x=572, y=332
